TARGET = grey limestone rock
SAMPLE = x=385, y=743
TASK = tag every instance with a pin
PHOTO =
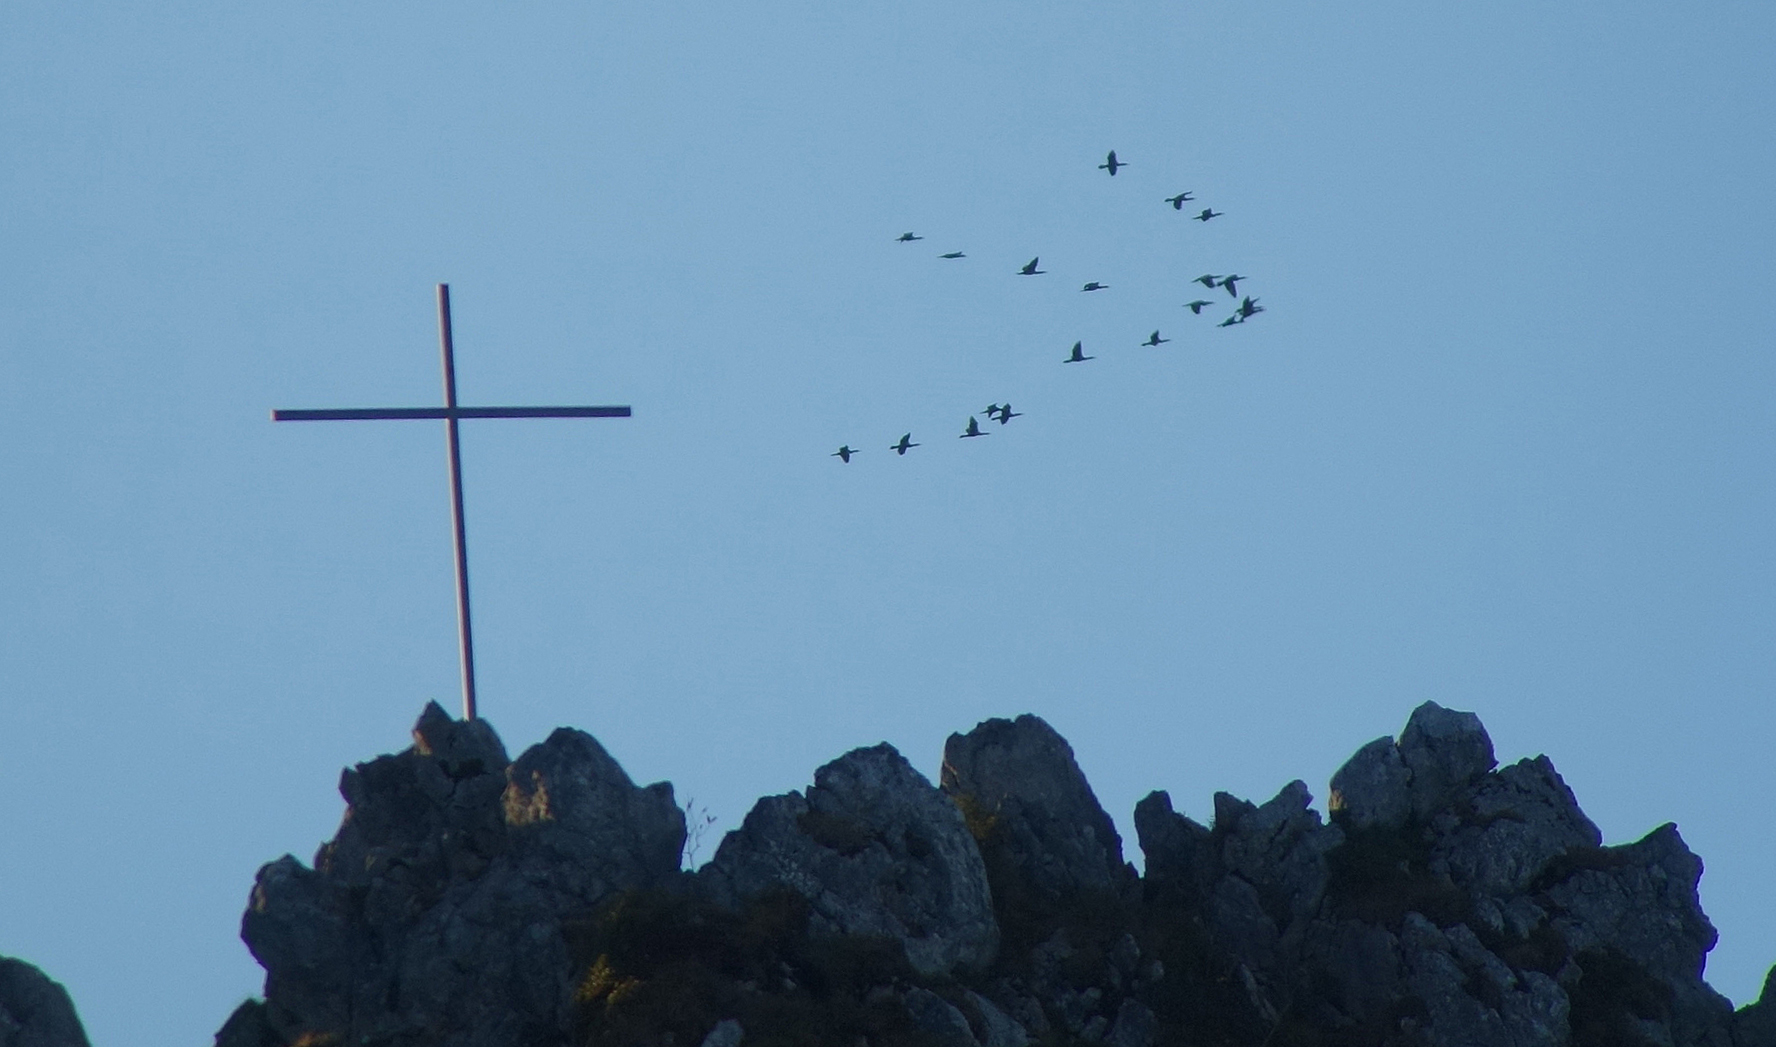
x=1444, y=750
x=1472, y=997
x=1639, y=901
x=438, y=911
x=1180, y=853
x=1020, y=777
x=876, y=850
x=1513, y=823
x=35, y=1011
x=1280, y=848
x=1372, y=789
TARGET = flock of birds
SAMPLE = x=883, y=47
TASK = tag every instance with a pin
x=1244, y=309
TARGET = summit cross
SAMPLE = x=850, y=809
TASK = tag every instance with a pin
x=450, y=413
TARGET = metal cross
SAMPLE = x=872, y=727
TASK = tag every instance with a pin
x=450, y=412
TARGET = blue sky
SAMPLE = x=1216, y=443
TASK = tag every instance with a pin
x=1503, y=439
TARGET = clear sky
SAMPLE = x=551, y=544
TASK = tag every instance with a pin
x=1503, y=437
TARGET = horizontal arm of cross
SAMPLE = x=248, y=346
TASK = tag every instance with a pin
x=352, y=414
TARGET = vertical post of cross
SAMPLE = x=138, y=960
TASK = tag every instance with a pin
x=463, y=630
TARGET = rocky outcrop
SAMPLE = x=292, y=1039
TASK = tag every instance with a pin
x=439, y=913
x=875, y=850
x=1446, y=902
x=35, y=1011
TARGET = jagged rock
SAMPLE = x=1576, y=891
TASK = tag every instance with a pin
x=1473, y=999
x=1280, y=848
x=1444, y=750
x=1372, y=789
x=1639, y=902
x=938, y=1019
x=35, y=1011
x=876, y=850
x=1018, y=779
x=1513, y=824
x=437, y=913
x=1361, y=966
x=1180, y=853
x=1755, y=1024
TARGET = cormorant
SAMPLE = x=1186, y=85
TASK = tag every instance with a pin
x=1208, y=280
x=1030, y=269
x=1228, y=283
x=1207, y=214
x=1155, y=339
x=1095, y=286
x=1078, y=354
x=974, y=428
x=843, y=454
x=901, y=447
x=953, y=254
x=1177, y=202
x=1197, y=306
x=1111, y=164
x=907, y=238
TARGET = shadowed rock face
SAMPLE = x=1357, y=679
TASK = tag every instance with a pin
x=875, y=849
x=35, y=1011
x=1448, y=903
x=1018, y=777
x=437, y=913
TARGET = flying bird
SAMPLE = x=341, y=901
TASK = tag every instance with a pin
x=907, y=238
x=1230, y=321
x=904, y=443
x=1095, y=286
x=1197, y=306
x=1078, y=354
x=1111, y=163
x=1208, y=280
x=992, y=411
x=1207, y=214
x=843, y=454
x=1177, y=202
x=1228, y=283
x=1155, y=339
x=1006, y=414
x=1030, y=269
x=1249, y=306
x=974, y=429
x=953, y=254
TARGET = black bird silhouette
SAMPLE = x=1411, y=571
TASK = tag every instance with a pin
x=1030, y=269
x=1095, y=286
x=1249, y=306
x=1155, y=339
x=1230, y=321
x=1208, y=280
x=1197, y=306
x=953, y=254
x=907, y=238
x=843, y=454
x=1229, y=281
x=1177, y=202
x=1207, y=214
x=1111, y=164
x=904, y=443
x=974, y=429
x=1006, y=414
x=1078, y=354
x=992, y=411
